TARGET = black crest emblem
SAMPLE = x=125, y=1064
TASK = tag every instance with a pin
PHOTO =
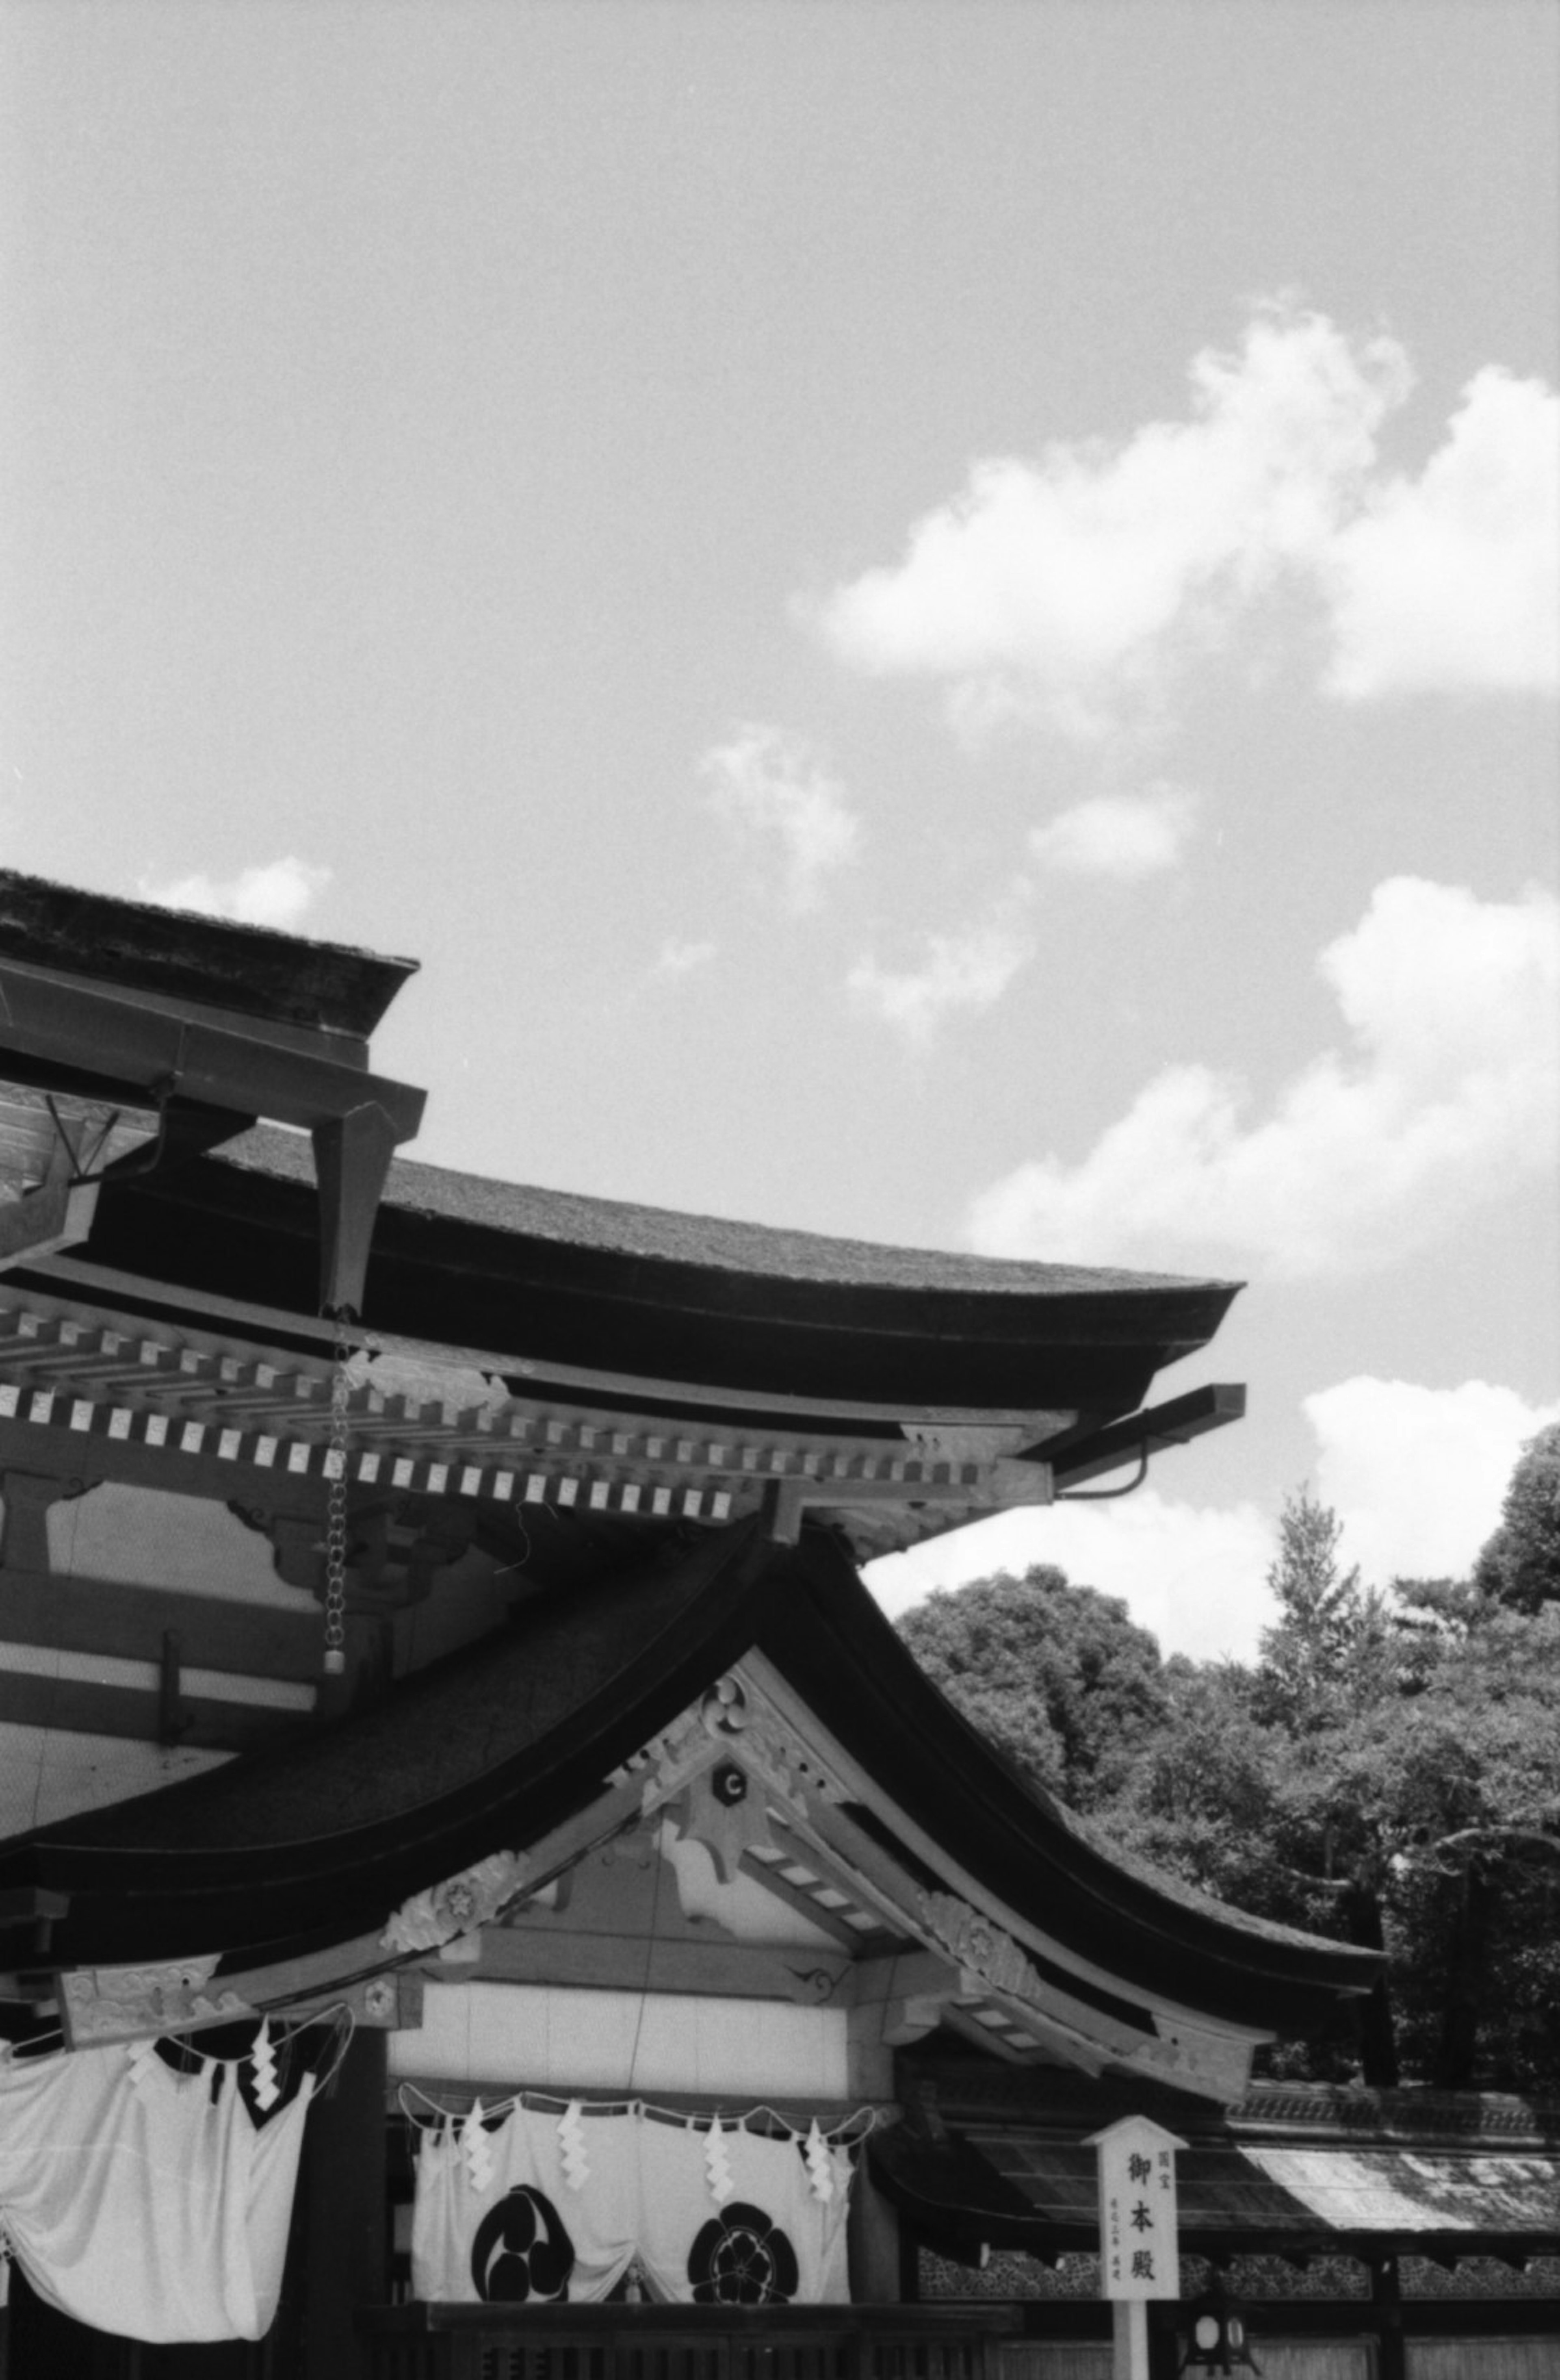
x=743, y=2258
x=521, y=2253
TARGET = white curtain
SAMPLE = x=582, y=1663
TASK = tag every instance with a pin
x=539, y=2206
x=138, y=2202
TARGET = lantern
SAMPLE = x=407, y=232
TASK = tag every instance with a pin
x=1219, y=2340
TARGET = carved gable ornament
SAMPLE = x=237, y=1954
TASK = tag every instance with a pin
x=979, y=1946
x=458, y=1906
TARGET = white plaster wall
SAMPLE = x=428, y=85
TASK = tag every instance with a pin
x=48, y=1773
x=547, y=2037
x=143, y=1536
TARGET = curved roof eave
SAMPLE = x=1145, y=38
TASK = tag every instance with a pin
x=636, y=1292
x=849, y=1665
x=317, y=1843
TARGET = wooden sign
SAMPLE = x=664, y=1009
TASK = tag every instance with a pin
x=1139, y=2247
x=1140, y=2243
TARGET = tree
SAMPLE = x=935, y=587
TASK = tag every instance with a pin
x=1056, y=1675
x=1521, y=1564
x=1331, y=1650
x=1387, y=1772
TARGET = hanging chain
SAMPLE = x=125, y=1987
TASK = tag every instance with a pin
x=336, y=1506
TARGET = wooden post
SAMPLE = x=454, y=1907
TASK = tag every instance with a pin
x=345, y=2217
x=874, y=2244
x=1129, y=2338
x=1139, y=2233
x=1386, y=2292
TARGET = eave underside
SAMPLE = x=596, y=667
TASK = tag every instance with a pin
x=317, y=1843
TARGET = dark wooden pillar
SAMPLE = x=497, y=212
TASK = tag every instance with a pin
x=1386, y=2297
x=874, y=2244
x=344, y=2214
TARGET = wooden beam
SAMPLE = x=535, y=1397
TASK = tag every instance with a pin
x=797, y=1897
x=29, y=1902
x=225, y=1059
x=1153, y=1431
x=24, y=1531
x=882, y=1880
x=730, y=1970
x=83, y=1458
x=909, y=1975
x=605, y=1390
x=101, y=1615
x=78, y=1708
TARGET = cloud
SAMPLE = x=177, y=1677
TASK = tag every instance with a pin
x=1121, y=835
x=968, y=970
x=1417, y=1475
x=1193, y=1574
x=775, y=800
x=1454, y=579
x=1075, y=588
x=679, y=958
x=1124, y=836
x=1448, y=1093
x=277, y=894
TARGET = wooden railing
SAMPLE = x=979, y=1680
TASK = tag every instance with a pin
x=615, y=2342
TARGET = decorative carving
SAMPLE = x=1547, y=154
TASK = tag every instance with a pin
x=818, y=1983
x=396, y=1545
x=665, y=1764
x=130, y=2003
x=792, y=1767
x=457, y=1905
x=726, y=1817
x=979, y=1945
x=724, y=1708
x=733, y=1725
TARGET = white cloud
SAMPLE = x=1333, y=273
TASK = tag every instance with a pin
x=774, y=798
x=1073, y=588
x=1448, y=1094
x=968, y=970
x=1453, y=580
x=679, y=958
x=1417, y=1475
x=1120, y=835
x=1193, y=1574
x=277, y=894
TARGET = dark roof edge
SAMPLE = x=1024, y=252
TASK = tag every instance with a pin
x=1023, y=1844
x=254, y=970
x=666, y=1235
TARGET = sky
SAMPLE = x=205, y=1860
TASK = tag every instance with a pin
x=937, y=622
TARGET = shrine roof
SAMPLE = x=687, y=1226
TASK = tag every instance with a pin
x=251, y=970
x=1235, y=2198
x=1289, y=2169
x=534, y=1279
x=661, y=1235
x=312, y=1844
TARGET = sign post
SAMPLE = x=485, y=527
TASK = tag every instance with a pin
x=1140, y=2246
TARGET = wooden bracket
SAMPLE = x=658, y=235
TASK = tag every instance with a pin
x=352, y=1154
x=172, y=1719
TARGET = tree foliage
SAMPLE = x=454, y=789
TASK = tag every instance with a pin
x=1521, y=1565
x=1387, y=1771
x=1056, y=1677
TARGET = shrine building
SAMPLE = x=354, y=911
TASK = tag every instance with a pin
x=483, y=1889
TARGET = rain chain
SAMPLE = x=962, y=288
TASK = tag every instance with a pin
x=335, y=1508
